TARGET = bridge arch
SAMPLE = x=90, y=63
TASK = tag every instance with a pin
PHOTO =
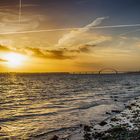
x=110, y=69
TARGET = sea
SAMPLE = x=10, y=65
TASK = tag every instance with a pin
x=38, y=106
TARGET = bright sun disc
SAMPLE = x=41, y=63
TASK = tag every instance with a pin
x=14, y=59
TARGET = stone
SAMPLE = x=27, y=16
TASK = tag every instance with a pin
x=87, y=128
x=55, y=138
x=116, y=111
x=103, y=123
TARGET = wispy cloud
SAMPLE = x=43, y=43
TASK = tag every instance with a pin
x=61, y=54
x=48, y=54
x=3, y=60
x=4, y=48
x=70, y=38
x=9, y=22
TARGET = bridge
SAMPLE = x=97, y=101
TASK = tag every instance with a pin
x=108, y=69
x=102, y=71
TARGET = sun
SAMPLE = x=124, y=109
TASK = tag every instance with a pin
x=14, y=60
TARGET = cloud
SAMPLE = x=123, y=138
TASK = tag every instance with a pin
x=9, y=21
x=4, y=48
x=70, y=38
x=68, y=47
x=60, y=53
x=98, y=40
x=47, y=54
x=3, y=60
x=85, y=48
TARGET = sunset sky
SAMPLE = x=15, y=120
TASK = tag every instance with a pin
x=69, y=35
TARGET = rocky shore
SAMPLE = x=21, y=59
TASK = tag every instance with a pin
x=122, y=125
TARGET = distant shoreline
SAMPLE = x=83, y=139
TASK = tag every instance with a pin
x=74, y=73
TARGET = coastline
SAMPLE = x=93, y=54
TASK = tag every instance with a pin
x=122, y=125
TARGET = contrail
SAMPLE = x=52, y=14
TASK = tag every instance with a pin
x=20, y=10
x=23, y=5
x=39, y=31
x=117, y=26
x=126, y=33
x=68, y=29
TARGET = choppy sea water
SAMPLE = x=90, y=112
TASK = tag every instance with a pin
x=34, y=106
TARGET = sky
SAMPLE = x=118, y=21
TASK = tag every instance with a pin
x=69, y=35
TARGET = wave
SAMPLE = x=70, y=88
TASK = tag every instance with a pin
x=54, y=131
x=14, y=118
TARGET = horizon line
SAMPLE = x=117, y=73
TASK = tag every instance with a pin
x=72, y=72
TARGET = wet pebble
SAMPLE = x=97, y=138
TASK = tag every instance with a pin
x=87, y=128
x=102, y=123
x=116, y=111
x=114, y=119
x=108, y=113
x=55, y=138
